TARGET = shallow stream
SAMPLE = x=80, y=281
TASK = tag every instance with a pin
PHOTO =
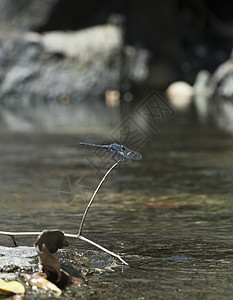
x=169, y=215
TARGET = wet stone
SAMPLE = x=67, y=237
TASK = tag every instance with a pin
x=15, y=258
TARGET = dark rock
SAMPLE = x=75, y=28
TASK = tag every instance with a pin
x=24, y=14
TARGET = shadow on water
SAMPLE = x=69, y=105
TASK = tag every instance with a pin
x=170, y=215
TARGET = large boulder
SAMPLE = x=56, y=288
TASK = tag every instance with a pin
x=221, y=95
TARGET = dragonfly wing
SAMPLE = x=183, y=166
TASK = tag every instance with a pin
x=124, y=157
x=136, y=156
x=133, y=155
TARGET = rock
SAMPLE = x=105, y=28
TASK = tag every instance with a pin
x=12, y=258
x=92, y=45
x=47, y=79
x=31, y=74
x=137, y=60
x=220, y=82
x=36, y=81
x=221, y=95
x=201, y=99
x=180, y=94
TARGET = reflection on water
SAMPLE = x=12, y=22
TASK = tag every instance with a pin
x=169, y=214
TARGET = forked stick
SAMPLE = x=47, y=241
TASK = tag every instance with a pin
x=93, y=197
x=69, y=235
x=79, y=235
x=85, y=214
x=103, y=249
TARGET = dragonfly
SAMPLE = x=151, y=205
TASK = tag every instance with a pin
x=118, y=152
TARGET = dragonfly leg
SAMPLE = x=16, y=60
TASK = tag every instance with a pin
x=115, y=153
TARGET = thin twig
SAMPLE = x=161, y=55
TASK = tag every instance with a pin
x=79, y=235
x=19, y=233
x=103, y=249
x=93, y=197
x=14, y=241
x=13, y=234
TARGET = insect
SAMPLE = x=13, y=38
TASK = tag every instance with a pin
x=118, y=152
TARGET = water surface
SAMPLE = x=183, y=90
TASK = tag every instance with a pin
x=169, y=215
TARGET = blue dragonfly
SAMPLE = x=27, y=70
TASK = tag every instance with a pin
x=118, y=152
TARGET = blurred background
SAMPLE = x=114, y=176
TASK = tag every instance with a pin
x=73, y=66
